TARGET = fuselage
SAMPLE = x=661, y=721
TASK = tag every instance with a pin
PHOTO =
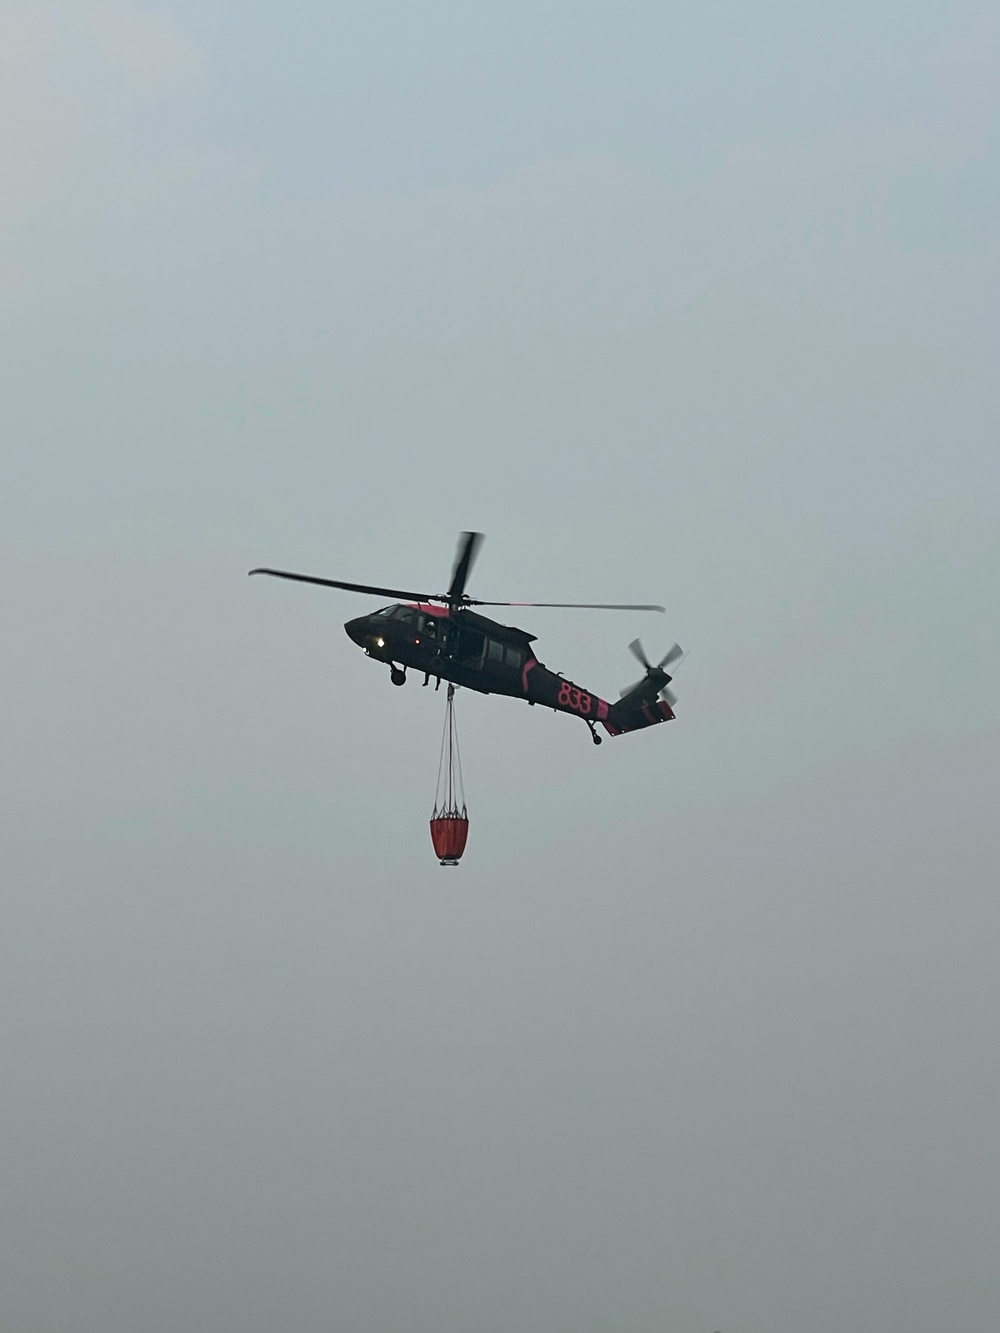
x=463, y=647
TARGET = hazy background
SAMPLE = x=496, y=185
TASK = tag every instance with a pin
x=691, y=304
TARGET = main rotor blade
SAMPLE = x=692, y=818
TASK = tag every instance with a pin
x=468, y=548
x=350, y=587
x=573, y=606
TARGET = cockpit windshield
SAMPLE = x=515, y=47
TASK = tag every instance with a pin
x=386, y=611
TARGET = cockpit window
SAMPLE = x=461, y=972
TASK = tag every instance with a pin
x=404, y=613
x=386, y=611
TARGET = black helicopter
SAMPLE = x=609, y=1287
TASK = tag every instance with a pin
x=440, y=635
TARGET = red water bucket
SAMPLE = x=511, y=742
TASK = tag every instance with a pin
x=449, y=834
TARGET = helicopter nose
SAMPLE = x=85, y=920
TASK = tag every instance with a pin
x=356, y=630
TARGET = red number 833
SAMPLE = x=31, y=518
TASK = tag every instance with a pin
x=571, y=697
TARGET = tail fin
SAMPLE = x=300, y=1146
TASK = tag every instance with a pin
x=637, y=709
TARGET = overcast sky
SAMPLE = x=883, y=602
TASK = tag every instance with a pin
x=683, y=304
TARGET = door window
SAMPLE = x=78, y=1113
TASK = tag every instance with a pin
x=470, y=647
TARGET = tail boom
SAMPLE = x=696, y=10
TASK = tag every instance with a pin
x=638, y=709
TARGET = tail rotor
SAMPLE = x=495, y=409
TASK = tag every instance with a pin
x=656, y=673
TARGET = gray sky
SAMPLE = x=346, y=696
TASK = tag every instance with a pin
x=684, y=304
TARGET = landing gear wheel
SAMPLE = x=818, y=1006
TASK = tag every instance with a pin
x=397, y=677
x=593, y=734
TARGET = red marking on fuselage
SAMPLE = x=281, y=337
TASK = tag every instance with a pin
x=430, y=610
x=528, y=666
x=602, y=709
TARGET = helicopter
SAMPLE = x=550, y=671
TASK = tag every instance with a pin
x=440, y=635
